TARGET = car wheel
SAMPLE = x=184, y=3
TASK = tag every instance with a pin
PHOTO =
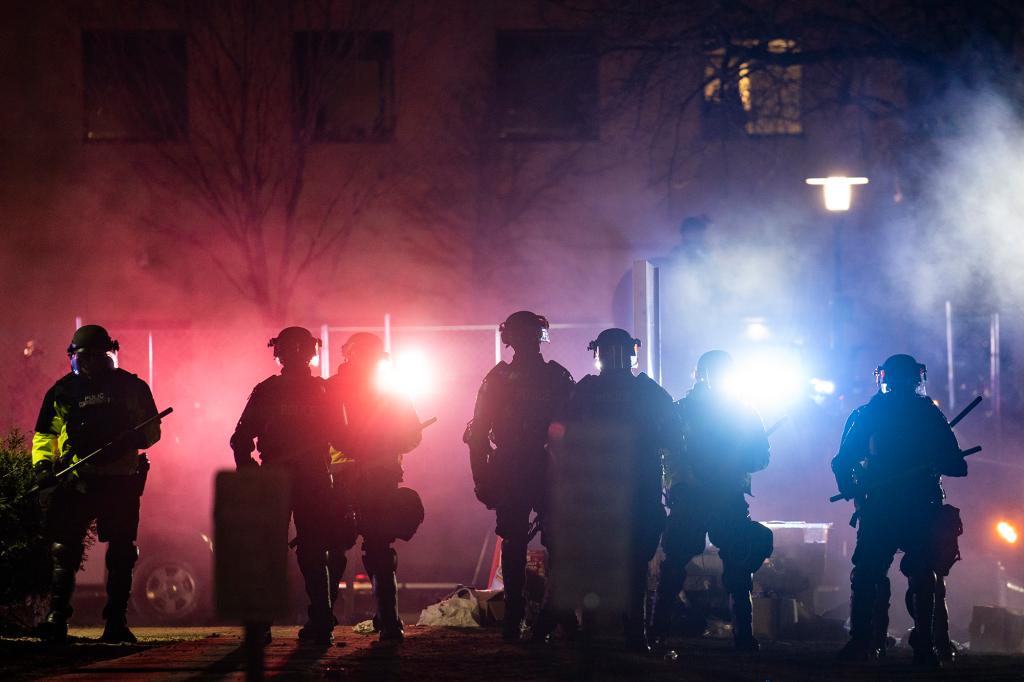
x=168, y=591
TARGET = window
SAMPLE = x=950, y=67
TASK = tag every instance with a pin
x=547, y=85
x=767, y=94
x=134, y=85
x=344, y=86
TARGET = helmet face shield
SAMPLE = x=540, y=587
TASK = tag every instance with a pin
x=92, y=363
x=294, y=345
x=717, y=371
x=524, y=328
x=92, y=351
x=616, y=357
x=615, y=349
x=901, y=374
x=364, y=349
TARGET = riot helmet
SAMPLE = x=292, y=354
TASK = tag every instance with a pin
x=294, y=346
x=92, y=351
x=614, y=349
x=901, y=373
x=363, y=349
x=524, y=329
x=716, y=370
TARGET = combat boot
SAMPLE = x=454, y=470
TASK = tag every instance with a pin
x=920, y=638
x=863, y=605
x=385, y=591
x=880, y=618
x=636, y=616
x=636, y=638
x=512, y=623
x=513, y=573
x=54, y=629
x=944, y=646
x=66, y=558
x=116, y=632
x=120, y=561
x=661, y=619
x=742, y=622
x=857, y=651
x=318, y=631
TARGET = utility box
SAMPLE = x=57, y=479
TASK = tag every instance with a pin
x=250, y=547
x=997, y=629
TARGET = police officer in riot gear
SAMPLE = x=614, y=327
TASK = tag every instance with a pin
x=890, y=460
x=382, y=426
x=289, y=417
x=724, y=442
x=636, y=425
x=86, y=409
x=507, y=447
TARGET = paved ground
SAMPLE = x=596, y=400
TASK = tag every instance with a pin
x=449, y=654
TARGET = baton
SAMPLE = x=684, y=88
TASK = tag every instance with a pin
x=966, y=411
x=60, y=474
x=835, y=498
x=429, y=422
x=775, y=427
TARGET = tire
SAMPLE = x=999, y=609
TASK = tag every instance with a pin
x=170, y=591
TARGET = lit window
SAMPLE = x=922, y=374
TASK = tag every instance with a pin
x=134, y=85
x=547, y=85
x=768, y=94
x=344, y=86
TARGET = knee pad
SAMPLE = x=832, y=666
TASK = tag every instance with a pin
x=861, y=579
x=121, y=556
x=67, y=556
x=762, y=544
x=922, y=582
x=752, y=545
x=737, y=581
x=918, y=568
x=337, y=562
x=310, y=555
x=514, y=547
x=380, y=561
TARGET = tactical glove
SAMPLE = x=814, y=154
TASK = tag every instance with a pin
x=44, y=475
x=953, y=465
x=247, y=463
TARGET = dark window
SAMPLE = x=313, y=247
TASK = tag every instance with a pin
x=547, y=85
x=135, y=85
x=344, y=86
x=765, y=96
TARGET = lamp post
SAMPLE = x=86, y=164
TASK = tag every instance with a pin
x=837, y=193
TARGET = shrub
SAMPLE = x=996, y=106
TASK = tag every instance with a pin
x=24, y=557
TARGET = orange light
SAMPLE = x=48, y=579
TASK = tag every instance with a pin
x=1007, y=532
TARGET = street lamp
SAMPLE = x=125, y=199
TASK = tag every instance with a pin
x=837, y=192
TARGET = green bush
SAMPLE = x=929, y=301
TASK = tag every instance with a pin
x=24, y=557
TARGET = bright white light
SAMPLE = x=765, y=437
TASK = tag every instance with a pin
x=823, y=386
x=757, y=330
x=315, y=362
x=1007, y=532
x=408, y=373
x=837, y=190
x=772, y=378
